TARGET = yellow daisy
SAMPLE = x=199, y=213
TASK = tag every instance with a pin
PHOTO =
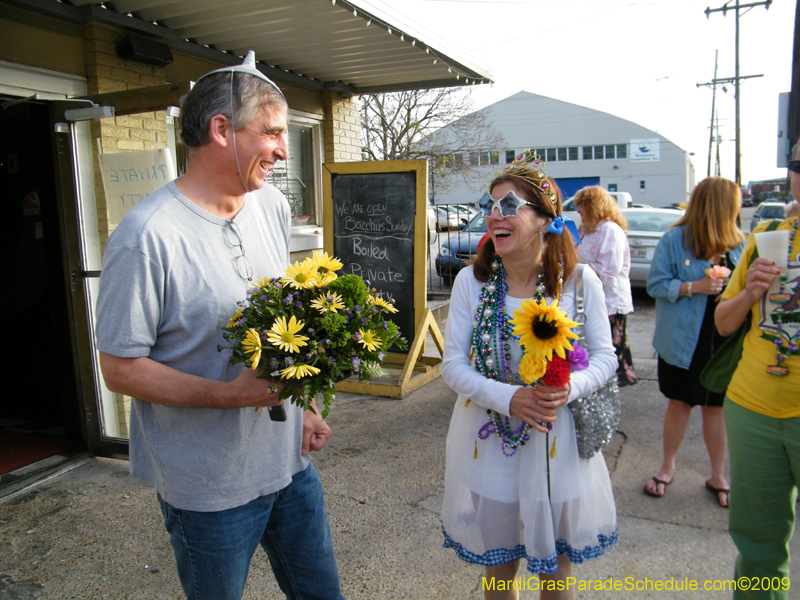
x=369, y=340
x=543, y=329
x=328, y=302
x=235, y=318
x=298, y=371
x=532, y=368
x=285, y=335
x=300, y=275
x=324, y=279
x=381, y=303
x=252, y=345
x=325, y=263
x=261, y=282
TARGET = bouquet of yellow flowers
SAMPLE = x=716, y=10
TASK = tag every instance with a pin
x=311, y=328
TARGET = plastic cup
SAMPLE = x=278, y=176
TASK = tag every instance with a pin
x=774, y=245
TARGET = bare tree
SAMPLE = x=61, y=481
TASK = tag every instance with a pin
x=439, y=124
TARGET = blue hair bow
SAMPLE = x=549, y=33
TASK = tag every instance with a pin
x=558, y=224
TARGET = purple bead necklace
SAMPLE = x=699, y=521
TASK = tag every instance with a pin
x=493, y=362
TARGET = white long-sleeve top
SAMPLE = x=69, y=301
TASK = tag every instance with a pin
x=460, y=374
x=606, y=250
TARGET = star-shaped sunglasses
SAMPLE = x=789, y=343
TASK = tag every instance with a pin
x=509, y=204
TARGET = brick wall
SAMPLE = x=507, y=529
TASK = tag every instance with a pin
x=107, y=72
x=342, y=128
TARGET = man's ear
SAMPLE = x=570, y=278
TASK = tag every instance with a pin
x=219, y=130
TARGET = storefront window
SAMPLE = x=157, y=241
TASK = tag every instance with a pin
x=295, y=177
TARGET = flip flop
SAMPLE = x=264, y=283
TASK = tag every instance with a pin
x=717, y=492
x=655, y=493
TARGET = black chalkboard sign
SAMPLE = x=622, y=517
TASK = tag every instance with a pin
x=373, y=217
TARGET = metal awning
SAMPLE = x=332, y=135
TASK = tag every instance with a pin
x=356, y=46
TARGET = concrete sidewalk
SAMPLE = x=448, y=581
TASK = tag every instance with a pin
x=94, y=532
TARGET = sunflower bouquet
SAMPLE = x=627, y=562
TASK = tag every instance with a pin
x=311, y=328
x=545, y=333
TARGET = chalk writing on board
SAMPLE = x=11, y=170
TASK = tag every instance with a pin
x=373, y=216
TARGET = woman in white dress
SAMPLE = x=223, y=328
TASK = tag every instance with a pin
x=515, y=487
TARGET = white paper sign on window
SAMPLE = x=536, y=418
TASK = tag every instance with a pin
x=128, y=177
x=645, y=150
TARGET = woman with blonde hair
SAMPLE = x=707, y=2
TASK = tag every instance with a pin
x=685, y=283
x=605, y=249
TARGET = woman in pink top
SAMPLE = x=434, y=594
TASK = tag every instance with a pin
x=605, y=249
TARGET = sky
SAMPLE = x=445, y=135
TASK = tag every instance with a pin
x=640, y=60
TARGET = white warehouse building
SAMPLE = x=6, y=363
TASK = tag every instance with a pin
x=582, y=147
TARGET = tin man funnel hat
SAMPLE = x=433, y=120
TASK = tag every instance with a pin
x=248, y=67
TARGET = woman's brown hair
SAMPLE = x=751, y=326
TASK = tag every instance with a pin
x=710, y=219
x=560, y=248
x=598, y=205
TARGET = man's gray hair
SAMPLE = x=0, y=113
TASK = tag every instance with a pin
x=215, y=95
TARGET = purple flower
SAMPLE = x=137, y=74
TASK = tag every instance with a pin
x=356, y=364
x=273, y=363
x=298, y=304
x=578, y=358
x=365, y=321
x=381, y=355
x=288, y=361
x=357, y=308
x=288, y=300
x=386, y=325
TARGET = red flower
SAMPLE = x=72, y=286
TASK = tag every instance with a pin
x=557, y=374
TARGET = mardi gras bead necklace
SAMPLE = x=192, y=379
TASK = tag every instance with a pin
x=492, y=351
x=783, y=346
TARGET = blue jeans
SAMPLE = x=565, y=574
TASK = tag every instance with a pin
x=213, y=549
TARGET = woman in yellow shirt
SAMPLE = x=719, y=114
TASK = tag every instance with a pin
x=762, y=411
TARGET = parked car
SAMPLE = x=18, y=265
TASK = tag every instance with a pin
x=446, y=218
x=459, y=249
x=645, y=228
x=767, y=212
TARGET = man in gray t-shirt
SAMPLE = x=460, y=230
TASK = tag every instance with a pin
x=228, y=479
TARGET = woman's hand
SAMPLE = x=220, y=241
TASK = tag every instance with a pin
x=538, y=404
x=759, y=278
x=708, y=286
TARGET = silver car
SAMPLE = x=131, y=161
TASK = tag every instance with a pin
x=767, y=212
x=645, y=228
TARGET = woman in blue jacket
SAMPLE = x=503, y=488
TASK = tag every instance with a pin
x=685, y=337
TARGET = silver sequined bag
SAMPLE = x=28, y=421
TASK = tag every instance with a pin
x=596, y=416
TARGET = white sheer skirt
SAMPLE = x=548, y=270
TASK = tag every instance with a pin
x=498, y=509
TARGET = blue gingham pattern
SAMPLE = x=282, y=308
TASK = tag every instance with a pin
x=549, y=565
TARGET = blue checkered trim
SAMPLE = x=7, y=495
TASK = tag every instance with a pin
x=500, y=556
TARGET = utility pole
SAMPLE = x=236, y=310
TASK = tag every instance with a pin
x=713, y=102
x=724, y=9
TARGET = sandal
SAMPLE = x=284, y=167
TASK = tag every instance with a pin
x=654, y=493
x=717, y=492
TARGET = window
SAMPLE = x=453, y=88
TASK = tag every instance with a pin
x=297, y=177
x=510, y=156
x=607, y=152
x=572, y=153
x=494, y=158
x=642, y=185
x=551, y=155
x=474, y=159
x=562, y=153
